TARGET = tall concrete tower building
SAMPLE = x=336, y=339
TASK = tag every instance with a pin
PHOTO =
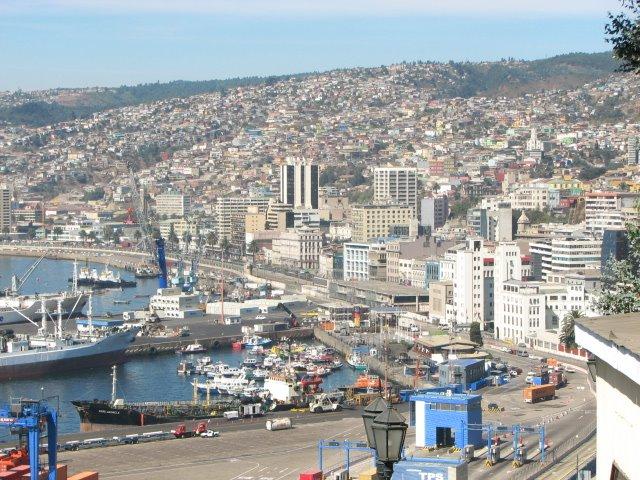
x=5, y=208
x=396, y=185
x=299, y=183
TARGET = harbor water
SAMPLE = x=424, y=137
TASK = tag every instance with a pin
x=152, y=378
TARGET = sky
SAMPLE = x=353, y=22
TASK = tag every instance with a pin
x=80, y=43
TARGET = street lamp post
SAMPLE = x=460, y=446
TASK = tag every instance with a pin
x=385, y=434
x=371, y=411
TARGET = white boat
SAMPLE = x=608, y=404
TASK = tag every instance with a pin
x=192, y=348
x=255, y=341
x=250, y=362
x=186, y=368
x=260, y=374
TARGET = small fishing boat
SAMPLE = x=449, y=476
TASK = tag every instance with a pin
x=186, y=368
x=192, y=348
x=336, y=365
x=255, y=341
x=355, y=361
x=122, y=302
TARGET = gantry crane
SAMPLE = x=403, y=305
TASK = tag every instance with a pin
x=155, y=247
x=30, y=417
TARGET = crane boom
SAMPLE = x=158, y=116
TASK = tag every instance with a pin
x=16, y=283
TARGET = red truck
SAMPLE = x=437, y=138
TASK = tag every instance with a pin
x=558, y=379
x=535, y=393
x=182, y=432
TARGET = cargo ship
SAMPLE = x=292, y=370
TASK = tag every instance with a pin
x=18, y=308
x=22, y=308
x=28, y=356
x=118, y=412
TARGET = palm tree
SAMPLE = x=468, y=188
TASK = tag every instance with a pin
x=253, y=247
x=57, y=231
x=567, y=332
x=212, y=239
x=224, y=245
x=137, y=235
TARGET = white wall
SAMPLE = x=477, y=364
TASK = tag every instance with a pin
x=618, y=422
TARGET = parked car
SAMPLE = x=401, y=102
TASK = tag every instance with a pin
x=210, y=434
x=261, y=317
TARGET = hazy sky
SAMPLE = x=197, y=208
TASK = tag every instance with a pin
x=70, y=43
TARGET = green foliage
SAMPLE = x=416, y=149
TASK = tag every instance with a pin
x=361, y=196
x=567, y=332
x=459, y=210
x=624, y=35
x=95, y=194
x=475, y=335
x=38, y=113
x=621, y=279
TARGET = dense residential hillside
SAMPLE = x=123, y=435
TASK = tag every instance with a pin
x=453, y=79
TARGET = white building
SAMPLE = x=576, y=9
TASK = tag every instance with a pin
x=360, y=258
x=615, y=343
x=563, y=253
x=609, y=210
x=173, y=203
x=174, y=303
x=534, y=196
x=473, y=284
x=299, y=248
x=229, y=209
x=396, y=185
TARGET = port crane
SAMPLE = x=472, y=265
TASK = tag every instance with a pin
x=293, y=319
x=28, y=417
x=148, y=244
x=16, y=283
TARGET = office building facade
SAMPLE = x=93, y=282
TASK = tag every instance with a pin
x=299, y=184
x=396, y=185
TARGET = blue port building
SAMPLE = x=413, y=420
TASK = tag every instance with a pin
x=463, y=371
x=441, y=418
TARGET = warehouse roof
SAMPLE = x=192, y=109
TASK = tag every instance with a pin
x=615, y=339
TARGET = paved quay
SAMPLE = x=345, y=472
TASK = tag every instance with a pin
x=239, y=454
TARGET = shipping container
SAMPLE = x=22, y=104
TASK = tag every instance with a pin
x=558, y=379
x=84, y=476
x=311, y=475
x=370, y=474
x=539, y=392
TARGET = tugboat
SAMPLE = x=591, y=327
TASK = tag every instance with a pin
x=90, y=277
x=355, y=361
x=146, y=271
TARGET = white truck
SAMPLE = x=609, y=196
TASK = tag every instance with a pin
x=323, y=403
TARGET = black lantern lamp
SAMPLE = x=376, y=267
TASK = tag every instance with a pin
x=389, y=431
x=371, y=411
